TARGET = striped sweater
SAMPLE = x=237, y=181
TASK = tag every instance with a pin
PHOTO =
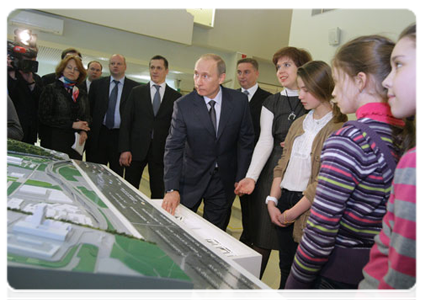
x=354, y=185
x=392, y=262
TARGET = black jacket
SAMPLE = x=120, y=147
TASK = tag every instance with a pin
x=99, y=101
x=139, y=124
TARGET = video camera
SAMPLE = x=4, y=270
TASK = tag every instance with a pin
x=22, y=51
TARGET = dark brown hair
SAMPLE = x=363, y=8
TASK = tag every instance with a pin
x=95, y=61
x=407, y=139
x=70, y=51
x=368, y=54
x=159, y=57
x=409, y=32
x=64, y=62
x=317, y=77
x=298, y=56
x=249, y=60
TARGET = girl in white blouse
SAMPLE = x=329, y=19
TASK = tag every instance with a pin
x=295, y=176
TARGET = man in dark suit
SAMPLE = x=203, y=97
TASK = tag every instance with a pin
x=51, y=77
x=94, y=71
x=247, y=75
x=209, y=146
x=145, y=126
x=108, y=97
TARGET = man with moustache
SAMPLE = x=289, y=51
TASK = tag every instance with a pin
x=145, y=126
x=209, y=146
x=108, y=97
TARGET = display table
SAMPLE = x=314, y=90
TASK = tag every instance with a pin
x=213, y=237
x=78, y=225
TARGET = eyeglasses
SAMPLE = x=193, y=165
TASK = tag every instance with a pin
x=70, y=68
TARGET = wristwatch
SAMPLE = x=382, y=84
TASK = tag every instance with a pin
x=273, y=199
x=170, y=191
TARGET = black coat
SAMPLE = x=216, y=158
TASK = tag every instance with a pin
x=49, y=78
x=26, y=104
x=138, y=122
x=57, y=112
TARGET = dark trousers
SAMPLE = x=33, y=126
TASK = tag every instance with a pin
x=287, y=245
x=107, y=152
x=246, y=220
x=60, y=140
x=154, y=160
x=216, y=203
x=328, y=289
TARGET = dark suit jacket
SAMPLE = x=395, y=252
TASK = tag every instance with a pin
x=138, y=122
x=48, y=78
x=255, y=109
x=99, y=101
x=83, y=86
x=192, y=148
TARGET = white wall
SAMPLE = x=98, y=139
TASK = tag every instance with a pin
x=311, y=32
x=231, y=30
x=175, y=25
x=256, y=32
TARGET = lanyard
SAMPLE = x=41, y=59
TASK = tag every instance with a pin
x=292, y=115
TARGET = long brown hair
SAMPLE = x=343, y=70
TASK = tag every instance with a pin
x=372, y=56
x=407, y=139
x=317, y=77
x=409, y=32
x=368, y=54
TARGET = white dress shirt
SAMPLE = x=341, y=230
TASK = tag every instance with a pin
x=88, y=82
x=298, y=171
x=251, y=91
x=153, y=90
x=217, y=106
x=117, y=110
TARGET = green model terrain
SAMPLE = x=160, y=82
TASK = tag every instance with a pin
x=141, y=256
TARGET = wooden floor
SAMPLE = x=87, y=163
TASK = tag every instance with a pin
x=271, y=275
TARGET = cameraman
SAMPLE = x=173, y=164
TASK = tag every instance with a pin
x=24, y=88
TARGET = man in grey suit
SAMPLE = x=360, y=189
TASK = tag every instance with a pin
x=108, y=97
x=209, y=146
x=145, y=126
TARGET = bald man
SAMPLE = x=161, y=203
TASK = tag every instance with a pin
x=108, y=97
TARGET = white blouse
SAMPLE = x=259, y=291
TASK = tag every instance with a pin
x=298, y=171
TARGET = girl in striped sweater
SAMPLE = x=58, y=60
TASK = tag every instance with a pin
x=355, y=176
x=392, y=262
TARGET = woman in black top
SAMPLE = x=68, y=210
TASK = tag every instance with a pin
x=64, y=109
x=278, y=113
